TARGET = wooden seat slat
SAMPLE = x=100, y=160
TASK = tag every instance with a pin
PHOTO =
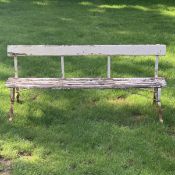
x=84, y=83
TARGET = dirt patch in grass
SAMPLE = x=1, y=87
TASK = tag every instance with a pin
x=5, y=166
x=25, y=154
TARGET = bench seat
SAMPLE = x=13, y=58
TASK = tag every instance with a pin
x=85, y=83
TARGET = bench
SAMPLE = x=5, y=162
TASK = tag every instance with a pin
x=154, y=82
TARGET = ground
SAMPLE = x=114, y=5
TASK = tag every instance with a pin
x=87, y=132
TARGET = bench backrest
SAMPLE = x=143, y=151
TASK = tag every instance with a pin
x=80, y=50
x=53, y=50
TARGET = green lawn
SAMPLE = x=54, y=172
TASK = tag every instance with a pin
x=87, y=132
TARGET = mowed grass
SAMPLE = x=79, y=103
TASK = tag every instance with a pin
x=87, y=132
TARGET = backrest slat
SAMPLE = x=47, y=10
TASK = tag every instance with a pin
x=65, y=50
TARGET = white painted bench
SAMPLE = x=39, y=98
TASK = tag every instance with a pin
x=83, y=83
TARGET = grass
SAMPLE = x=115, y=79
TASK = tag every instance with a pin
x=87, y=132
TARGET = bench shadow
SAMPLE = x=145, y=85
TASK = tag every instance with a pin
x=101, y=129
x=112, y=106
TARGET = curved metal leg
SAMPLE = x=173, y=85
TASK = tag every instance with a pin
x=17, y=95
x=12, y=99
x=154, y=96
x=157, y=102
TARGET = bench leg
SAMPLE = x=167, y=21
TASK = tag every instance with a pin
x=12, y=99
x=157, y=102
x=17, y=95
x=154, y=96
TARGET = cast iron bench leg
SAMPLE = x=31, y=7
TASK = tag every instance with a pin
x=157, y=102
x=12, y=99
x=17, y=95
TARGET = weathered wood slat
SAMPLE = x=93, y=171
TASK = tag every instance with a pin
x=85, y=83
x=65, y=50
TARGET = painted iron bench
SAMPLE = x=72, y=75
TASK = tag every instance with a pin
x=154, y=82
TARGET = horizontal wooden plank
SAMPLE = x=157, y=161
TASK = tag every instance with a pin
x=65, y=50
x=85, y=83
